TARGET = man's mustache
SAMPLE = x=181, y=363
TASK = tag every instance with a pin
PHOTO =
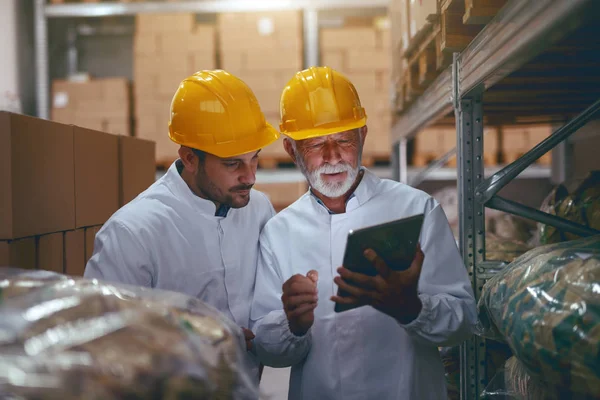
x=240, y=187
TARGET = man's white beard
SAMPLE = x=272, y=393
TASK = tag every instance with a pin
x=330, y=189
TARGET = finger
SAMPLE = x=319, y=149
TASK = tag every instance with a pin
x=295, y=301
x=303, y=309
x=357, y=278
x=416, y=266
x=349, y=300
x=380, y=265
x=290, y=281
x=350, y=289
x=313, y=276
x=305, y=286
x=249, y=345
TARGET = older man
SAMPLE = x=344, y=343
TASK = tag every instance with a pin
x=387, y=348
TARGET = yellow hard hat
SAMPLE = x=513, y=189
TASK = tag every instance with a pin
x=218, y=113
x=320, y=101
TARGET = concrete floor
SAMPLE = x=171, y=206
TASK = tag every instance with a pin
x=274, y=384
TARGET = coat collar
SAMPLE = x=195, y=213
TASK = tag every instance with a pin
x=177, y=185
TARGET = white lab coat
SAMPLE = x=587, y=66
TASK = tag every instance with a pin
x=361, y=353
x=169, y=238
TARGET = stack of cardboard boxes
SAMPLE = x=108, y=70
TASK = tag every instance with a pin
x=265, y=50
x=100, y=104
x=167, y=49
x=58, y=184
x=282, y=194
x=363, y=54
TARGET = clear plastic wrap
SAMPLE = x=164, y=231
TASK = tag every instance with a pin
x=546, y=306
x=577, y=201
x=503, y=249
x=512, y=382
x=68, y=338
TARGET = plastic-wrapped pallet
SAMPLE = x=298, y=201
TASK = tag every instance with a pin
x=512, y=382
x=547, y=308
x=577, y=201
x=67, y=338
x=502, y=249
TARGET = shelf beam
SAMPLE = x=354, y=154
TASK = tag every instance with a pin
x=209, y=6
x=487, y=189
x=511, y=207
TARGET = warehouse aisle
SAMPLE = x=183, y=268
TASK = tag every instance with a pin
x=275, y=383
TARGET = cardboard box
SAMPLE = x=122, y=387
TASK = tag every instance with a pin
x=137, y=167
x=273, y=60
x=37, y=189
x=152, y=23
x=120, y=127
x=96, y=176
x=203, y=60
x=335, y=59
x=201, y=41
x=18, y=253
x=260, y=30
x=275, y=81
x=50, y=250
x=348, y=38
x=146, y=44
x=90, y=236
x=268, y=100
x=283, y=194
x=75, y=252
x=369, y=60
x=233, y=62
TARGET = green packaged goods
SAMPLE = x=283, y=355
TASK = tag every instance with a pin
x=546, y=306
x=577, y=201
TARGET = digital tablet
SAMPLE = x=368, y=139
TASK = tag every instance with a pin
x=395, y=242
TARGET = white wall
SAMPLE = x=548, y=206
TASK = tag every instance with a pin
x=10, y=96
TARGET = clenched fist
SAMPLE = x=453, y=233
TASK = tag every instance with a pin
x=299, y=300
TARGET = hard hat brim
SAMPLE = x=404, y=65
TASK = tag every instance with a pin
x=325, y=130
x=260, y=140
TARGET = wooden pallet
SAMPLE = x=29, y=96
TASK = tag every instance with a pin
x=430, y=50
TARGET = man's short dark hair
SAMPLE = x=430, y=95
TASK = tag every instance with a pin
x=201, y=155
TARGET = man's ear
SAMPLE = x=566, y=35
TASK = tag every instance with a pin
x=189, y=159
x=363, y=134
x=289, y=148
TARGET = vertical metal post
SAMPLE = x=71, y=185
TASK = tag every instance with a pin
x=72, y=57
x=562, y=160
x=469, y=127
x=311, y=38
x=402, y=161
x=41, y=59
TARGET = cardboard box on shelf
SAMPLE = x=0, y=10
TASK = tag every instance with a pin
x=90, y=237
x=146, y=44
x=273, y=60
x=37, y=193
x=268, y=100
x=18, y=253
x=282, y=194
x=369, y=60
x=137, y=167
x=153, y=23
x=348, y=38
x=96, y=176
x=200, y=41
x=335, y=59
x=203, y=60
x=50, y=252
x=74, y=252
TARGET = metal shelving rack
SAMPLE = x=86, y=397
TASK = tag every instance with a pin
x=535, y=59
